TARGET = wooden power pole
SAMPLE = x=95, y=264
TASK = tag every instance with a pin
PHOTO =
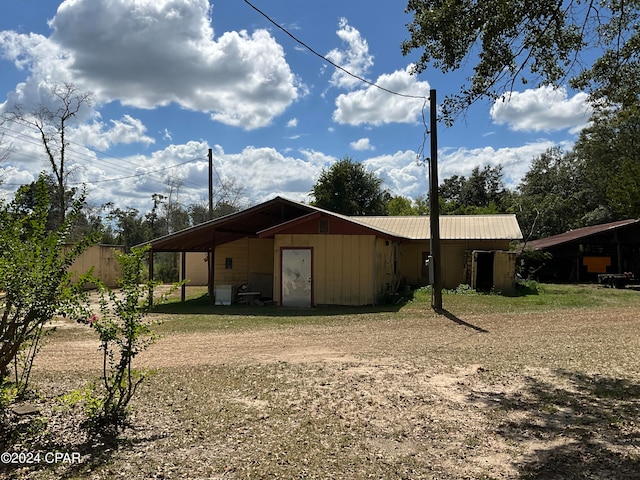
x=210, y=184
x=211, y=252
x=434, y=207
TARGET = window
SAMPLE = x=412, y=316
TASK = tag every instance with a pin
x=324, y=226
x=228, y=263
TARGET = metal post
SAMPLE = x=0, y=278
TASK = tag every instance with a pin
x=434, y=207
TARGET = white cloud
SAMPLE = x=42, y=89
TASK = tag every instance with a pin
x=149, y=54
x=292, y=123
x=355, y=58
x=400, y=173
x=125, y=131
x=362, y=144
x=265, y=172
x=515, y=161
x=543, y=109
x=374, y=106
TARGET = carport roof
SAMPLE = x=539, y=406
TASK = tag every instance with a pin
x=577, y=234
x=201, y=238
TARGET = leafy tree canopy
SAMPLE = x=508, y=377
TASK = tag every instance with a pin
x=516, y=41
x=610, y=150
x=403, y=206
x=483, y=192
x=348, y=188
x=555, y=195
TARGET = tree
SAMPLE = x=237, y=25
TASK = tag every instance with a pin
x=34, y=277
x=555, y=196
x=348, y=188
x=506, y=42
x=610, y=151
x=483, y=192
x=176, y=217
x=124, y=333
x=403, y=206
x=5, y=150
x=130, y=227
x=52, y=123
x=28, y=196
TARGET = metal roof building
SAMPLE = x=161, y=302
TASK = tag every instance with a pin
x=343, y=260
x=582, y=254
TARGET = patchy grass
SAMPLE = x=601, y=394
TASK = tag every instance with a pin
x=537, y=386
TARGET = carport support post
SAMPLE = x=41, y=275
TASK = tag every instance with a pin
x=150, y=277
x=211, y=260
x=183, y=276
x=434, y=207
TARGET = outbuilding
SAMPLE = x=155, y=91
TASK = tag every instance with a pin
x=581, y=255
x=298, y=255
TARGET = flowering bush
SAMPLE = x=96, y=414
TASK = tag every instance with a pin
x=123, y=333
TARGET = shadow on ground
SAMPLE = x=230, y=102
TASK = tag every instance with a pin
x=587, y=428
x=203, y=306
x=454, y=318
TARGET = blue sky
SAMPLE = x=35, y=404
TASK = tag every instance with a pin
x=173, y=78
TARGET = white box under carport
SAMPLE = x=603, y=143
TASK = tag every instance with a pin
x=225, y=294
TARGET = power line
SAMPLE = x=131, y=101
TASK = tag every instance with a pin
x=142, y=174
x=80, y=155
x=421, y=148
x=364, y=80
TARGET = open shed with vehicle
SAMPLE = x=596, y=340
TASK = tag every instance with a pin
x=587, y=254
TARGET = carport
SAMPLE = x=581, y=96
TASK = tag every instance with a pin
x=209, y=235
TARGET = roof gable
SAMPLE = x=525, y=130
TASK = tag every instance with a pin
x=231, y=227
x=336, y=225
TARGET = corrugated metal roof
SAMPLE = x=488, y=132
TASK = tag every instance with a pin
x=278, y=211
x=578, y=233
x=452, y=227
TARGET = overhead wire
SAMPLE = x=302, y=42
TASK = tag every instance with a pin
x=22, y=136
x=339, y=67
x=425, y=99
x=297, y=40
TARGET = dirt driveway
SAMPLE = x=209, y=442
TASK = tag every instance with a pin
x=419, y=395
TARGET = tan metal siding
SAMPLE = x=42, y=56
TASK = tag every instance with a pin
x=238, y=251
x=342, y=267
x=102, y=258
x=197, y=271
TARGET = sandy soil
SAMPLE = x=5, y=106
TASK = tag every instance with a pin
x=544, y=395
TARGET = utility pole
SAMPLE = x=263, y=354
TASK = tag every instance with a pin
x=210, y=184
x=434, y=207
x=211, y=252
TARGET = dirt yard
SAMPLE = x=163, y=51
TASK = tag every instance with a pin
x=411, y=395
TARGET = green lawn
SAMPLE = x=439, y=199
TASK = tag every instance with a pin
x=197, y=314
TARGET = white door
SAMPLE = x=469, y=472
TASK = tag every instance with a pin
x=296, y=277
